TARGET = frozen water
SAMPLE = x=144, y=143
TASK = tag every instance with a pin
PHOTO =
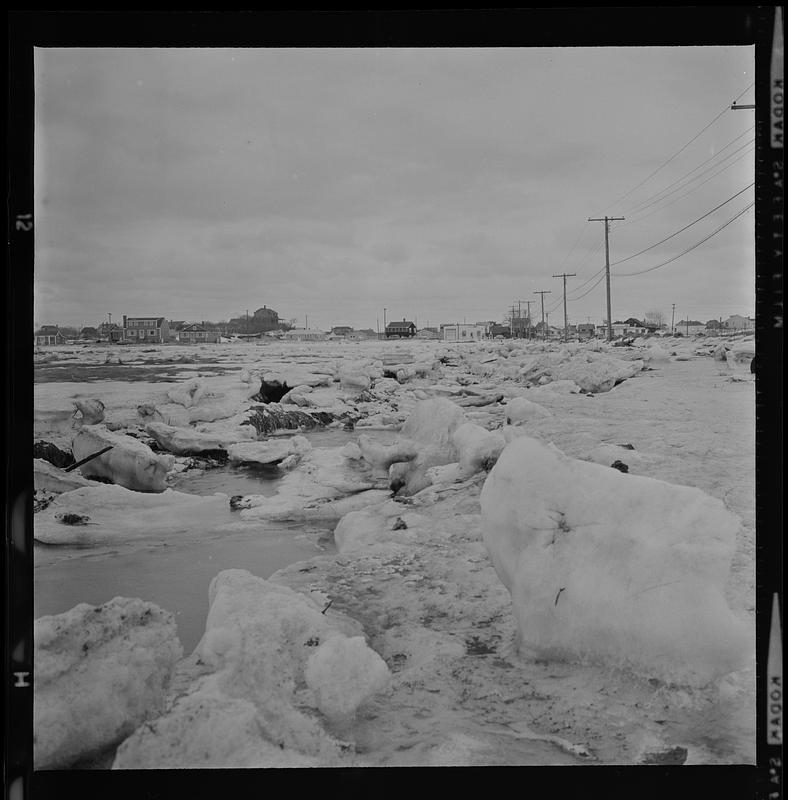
x=624, y=568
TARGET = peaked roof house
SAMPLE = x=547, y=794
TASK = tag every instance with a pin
x=404, y=328
x=110, y=332
x=736, y=322
x=48, y=335
x=146, y=329
x=196, y=334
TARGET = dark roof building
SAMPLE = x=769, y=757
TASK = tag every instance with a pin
x=404, y=328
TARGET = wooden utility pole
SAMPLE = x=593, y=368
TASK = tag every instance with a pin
x=544, y=332
x=565, y=275
x=673, y=319
x=607, y=220
x=528, y=303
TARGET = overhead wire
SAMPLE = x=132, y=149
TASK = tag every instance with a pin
x=678, y=152
x=635, y=221
x=689, y=249
x=681, y=230
x=665, y=194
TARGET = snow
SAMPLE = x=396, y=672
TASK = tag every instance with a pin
x=623, y=568
x=430, y=426
x=262, y=643
x=185, y=441
x=383, y=456
x=129, y=463
x=116, y=514
x=99, y=672
x=188, y=394
x=48, y=478
x=520, y=409
x=268, y=452
x=343, y=672
x=413, y=576
x=477, y=448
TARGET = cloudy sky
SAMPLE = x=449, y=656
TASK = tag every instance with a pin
x=440, y=184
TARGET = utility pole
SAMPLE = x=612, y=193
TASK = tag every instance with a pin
x=385, y=330
x=511, y=322
x=565, y=275
x=544, y=332
x=528, y=303
x=607, y=220
x=673, y=319
x=520, y=315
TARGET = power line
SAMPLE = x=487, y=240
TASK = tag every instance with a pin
x=681, y=150
x=686, y=194
x=681, y=230
x=695, y=169
x=689, y=249
x=665, y=194
x=591, y=289
x=565, y=275
x=607, y=220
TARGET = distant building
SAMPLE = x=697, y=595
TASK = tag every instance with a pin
x=428, y=333
x=499, y=330
x=463, y=332
x=110, y=332
x=586, y=330
x=690, y=327
x=362, y=334
x=197, y=334
x=48, y=335
x=738, y=323
x=146, y=330
x=304, y=335
x=265, y=319
x=520, y=327
x=400, y=329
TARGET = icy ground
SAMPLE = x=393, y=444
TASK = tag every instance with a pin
x=412, y=576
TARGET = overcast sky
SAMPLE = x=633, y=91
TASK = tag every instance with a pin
x=440, y=184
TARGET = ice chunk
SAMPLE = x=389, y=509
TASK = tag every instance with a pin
x=613, y=566
x=598, y=375
x=520, y=409
x=430, y=426
x=185, y=441
x=740, y=356
x=99, y=672
x=271, y=451
x=259, y=638
x=118, y=514
x=383, y=456
x=187, y=394
x=48, y=478
x=92, y=411
x=343, y=673
x=205, y=730
x=477, y=447
x=129, y=463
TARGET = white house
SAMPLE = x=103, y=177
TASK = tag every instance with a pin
x=738, y=323
x=462, y=332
